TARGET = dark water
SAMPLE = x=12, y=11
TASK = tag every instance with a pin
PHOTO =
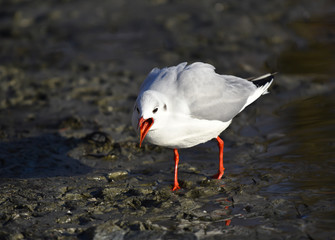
x=69, y=74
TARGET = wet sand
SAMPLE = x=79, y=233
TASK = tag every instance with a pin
x=70, y=163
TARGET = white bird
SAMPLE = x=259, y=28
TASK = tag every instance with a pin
x=185, y=105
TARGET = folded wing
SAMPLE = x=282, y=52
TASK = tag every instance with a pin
x=212, y=96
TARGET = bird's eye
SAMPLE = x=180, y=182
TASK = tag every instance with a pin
x=138, y=110
x=155, y=110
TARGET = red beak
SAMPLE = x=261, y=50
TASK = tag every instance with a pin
x=144, y=125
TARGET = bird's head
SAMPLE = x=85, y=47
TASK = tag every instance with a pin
x=149, y=113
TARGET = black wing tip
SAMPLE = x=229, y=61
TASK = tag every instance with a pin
x=261, y=81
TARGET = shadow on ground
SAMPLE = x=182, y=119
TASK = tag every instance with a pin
x=39, y=157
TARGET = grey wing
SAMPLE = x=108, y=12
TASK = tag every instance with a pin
x=162, y=79
x=150, y=79
x=215, y=97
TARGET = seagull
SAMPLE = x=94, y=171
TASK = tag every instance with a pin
x=186, y=105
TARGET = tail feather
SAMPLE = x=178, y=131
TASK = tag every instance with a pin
x=262, y=80
x=262, y=83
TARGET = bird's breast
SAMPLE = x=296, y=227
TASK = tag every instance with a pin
x=186, y=133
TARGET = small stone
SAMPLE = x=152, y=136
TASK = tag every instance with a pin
x=17, y=236
x=118, y=174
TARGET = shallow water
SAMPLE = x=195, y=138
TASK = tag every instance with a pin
x=70, y=162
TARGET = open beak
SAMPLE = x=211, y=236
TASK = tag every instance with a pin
x=144, y=125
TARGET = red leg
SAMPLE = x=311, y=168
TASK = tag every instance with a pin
x=221, y=168
x=176, y=161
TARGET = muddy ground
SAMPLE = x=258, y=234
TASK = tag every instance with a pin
x=70, y=163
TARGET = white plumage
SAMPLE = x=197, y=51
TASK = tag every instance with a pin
x=185, y=105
